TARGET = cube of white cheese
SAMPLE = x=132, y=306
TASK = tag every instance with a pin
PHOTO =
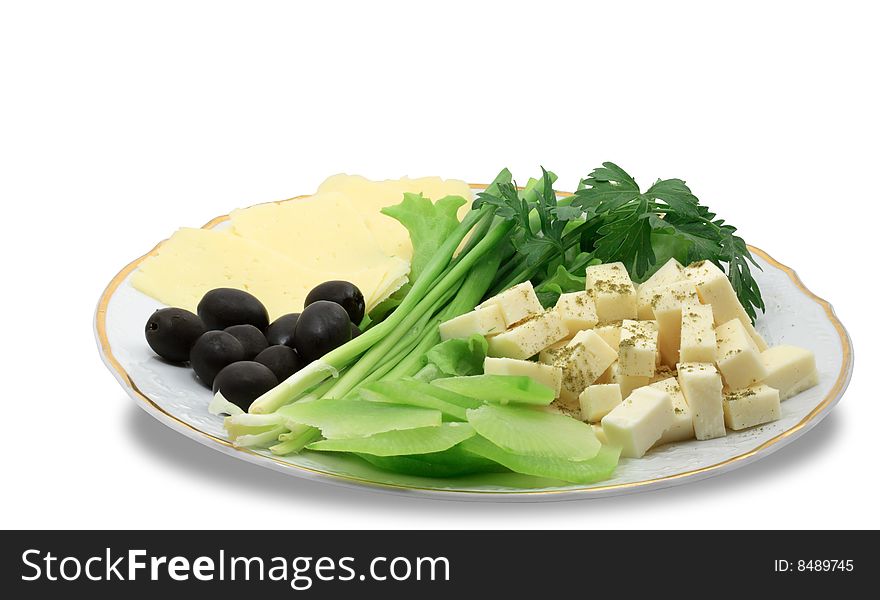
x=517, y=303
x=682, y=427
x=549, y=354
x=578, y=311
x=637, y=350
x=670, y=272
x=668, y=304
x=598, y=400
x=701, y=385
x=751, y=406
x=584, y=359
x=543, y=374
x=663, y=372
x=698, y=342
x=790, y=370
x=485, y=321
x=610, y=332
x=600, y=434
x=613, y=292
x=714, y=288
x=737, y=356
x=627, y=383
x=639, y=421
x=529, y=337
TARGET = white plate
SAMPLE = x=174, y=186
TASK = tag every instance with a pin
x=794, y=316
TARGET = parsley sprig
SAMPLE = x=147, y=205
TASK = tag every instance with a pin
x=610, y=219
x=633, y=223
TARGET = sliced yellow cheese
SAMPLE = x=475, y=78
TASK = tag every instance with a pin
x=369, y=197
x=321, y=232
x=194, y=261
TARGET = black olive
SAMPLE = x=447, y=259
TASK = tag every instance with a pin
x=213, y=351
x=171, y=333
x=322, y=326
x=251, y=338
x=344, y=294
x=280, y=331
x=243, y=382
x=281, y=360
x=223, y=307
x=355, y=331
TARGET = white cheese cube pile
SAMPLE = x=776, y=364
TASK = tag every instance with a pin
x=673, y=359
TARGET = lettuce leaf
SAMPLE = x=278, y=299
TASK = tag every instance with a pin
x=429, y=224
x=459, y=357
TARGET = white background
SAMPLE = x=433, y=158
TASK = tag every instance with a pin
x=120, y=122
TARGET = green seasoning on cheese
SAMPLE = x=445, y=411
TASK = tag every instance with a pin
x=583, y=360
x=751, y=406
x=698, y=342
x=516, y=304
x=613, y=292
x=670, y=272
x=529, y=337
x=701, y=385
x=578, y=310
x=737, y=356
x=637, y=349
x=714, y=288
x=668, y=304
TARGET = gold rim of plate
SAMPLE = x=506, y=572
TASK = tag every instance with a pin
x=833, y=395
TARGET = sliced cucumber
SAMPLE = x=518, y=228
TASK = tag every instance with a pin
x=525, y=430
x=422, y=440
x=403, y=392
x=443, y=394
x=499, y=388
x=350, y=418
x=454, y=462
x=598, y=468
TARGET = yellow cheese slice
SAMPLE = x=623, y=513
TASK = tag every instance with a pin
x=322, y=232
x=369, y=197
x=194, y=261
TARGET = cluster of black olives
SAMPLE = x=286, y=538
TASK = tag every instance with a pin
x=234, y=349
